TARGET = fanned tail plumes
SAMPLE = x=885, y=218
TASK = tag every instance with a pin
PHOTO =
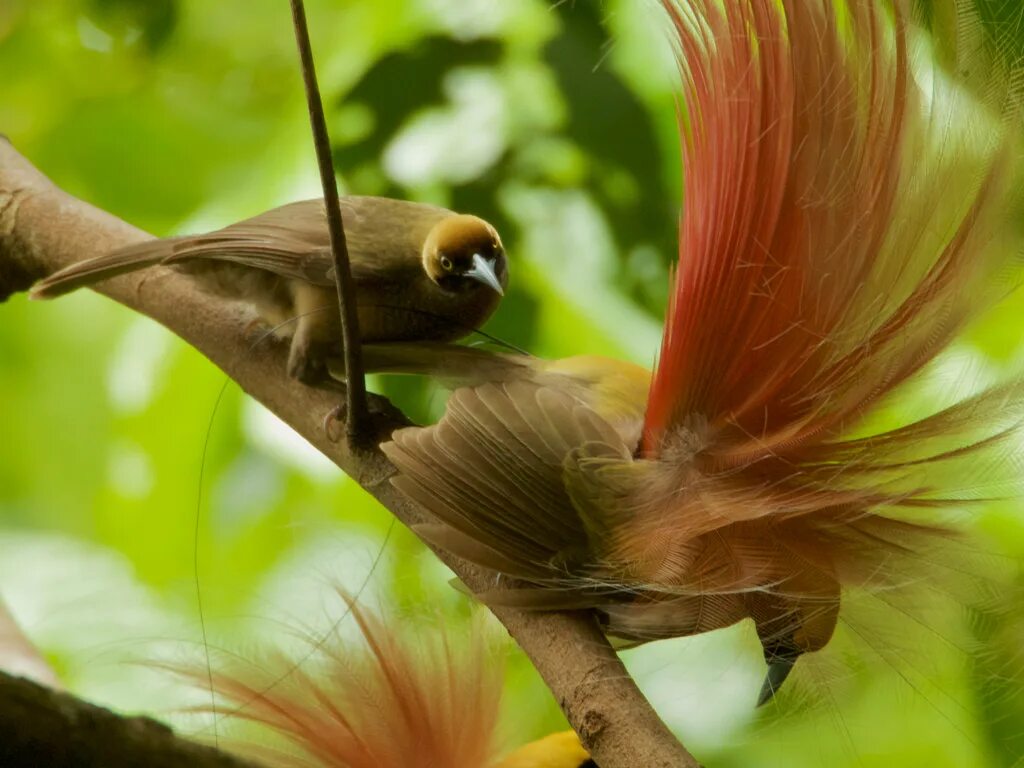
x=397, y=699
x=848, y=211
x=847, y=215
x=392, y=701
x=841, y=226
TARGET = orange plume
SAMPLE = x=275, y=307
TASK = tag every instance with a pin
x=394, y=701
x=813, y=277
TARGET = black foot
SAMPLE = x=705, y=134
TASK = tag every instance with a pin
x=380, y=409
x=312, y=370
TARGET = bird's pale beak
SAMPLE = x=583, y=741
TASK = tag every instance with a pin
x=778, y=671
x=483, y=271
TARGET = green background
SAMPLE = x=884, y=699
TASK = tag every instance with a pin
x=556, y=122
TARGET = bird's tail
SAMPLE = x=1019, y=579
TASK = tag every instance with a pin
x=853, y=185
x=94, y=270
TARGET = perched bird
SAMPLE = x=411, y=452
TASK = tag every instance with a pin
x=421, y=272
x=847, y=211
x=396, y=700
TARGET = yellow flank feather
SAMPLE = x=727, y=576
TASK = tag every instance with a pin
x=615, y=390
x=559, y=750
x=619, y=388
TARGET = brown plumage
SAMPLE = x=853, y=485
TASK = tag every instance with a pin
x=840, y=226
x=421, y=272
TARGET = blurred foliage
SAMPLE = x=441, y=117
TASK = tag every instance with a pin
x=555, y=121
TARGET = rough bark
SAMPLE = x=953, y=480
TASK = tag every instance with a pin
x=40, y=726
x=43, y=229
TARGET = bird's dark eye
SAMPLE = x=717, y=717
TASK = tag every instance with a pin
x=446, y=264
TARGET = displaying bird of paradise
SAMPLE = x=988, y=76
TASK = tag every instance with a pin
x=851, y=181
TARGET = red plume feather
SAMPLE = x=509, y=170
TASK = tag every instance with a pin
x=822, y=258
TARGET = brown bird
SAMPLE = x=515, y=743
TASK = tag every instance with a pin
x=840, y=226
x=420, y=271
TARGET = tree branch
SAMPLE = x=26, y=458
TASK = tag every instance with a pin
x=43, y=229
x=41, y=726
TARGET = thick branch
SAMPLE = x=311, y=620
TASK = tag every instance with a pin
x=43, y=229
x=41, y=726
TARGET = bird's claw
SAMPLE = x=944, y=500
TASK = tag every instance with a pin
x=378, y=407
x=334, y=423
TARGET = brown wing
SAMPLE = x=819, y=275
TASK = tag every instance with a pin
x=384, y=238
x=493, y=471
